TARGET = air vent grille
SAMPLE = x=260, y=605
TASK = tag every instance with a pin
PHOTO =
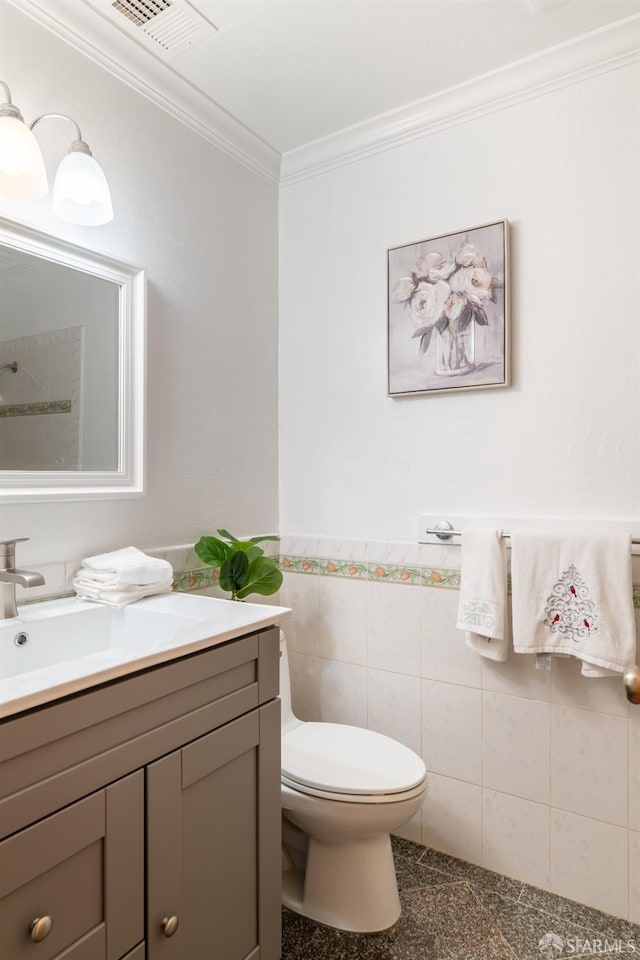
x=177, y=28
x=140, y=11
x=173, y=25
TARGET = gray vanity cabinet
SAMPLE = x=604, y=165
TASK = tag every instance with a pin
x=142, y=818
x=207, y=840
x=71, y=888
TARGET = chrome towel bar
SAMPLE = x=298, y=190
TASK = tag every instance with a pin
x=444, y=531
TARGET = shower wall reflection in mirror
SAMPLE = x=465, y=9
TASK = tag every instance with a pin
x=59, y=355
x=72, y=370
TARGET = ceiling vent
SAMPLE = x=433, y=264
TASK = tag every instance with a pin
x=168, y=27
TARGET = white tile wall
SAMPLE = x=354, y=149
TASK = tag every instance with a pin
x=393, y=627
x=343, y=693
x=394, y=707
x=533, y=774
x=342, y=619
x=515, y=746
x=605, y=695
x=452, y=818
x=444, y=656
x=515, y=837
x=589, y=862
x=589, y=764
x=452, y=730
x=517, y=677
x=301, y=593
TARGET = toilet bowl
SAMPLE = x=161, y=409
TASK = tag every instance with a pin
x=344, y=790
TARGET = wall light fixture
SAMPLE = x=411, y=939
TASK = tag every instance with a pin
x=80, y=189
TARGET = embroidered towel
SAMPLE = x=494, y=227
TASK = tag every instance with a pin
x=125, y=567
x=573, y=594
x=482, y=611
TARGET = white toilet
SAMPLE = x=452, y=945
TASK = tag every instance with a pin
x=344, y=790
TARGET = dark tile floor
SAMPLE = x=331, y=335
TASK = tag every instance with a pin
x=453, y=910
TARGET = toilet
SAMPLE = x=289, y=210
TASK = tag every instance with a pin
x=344, y=790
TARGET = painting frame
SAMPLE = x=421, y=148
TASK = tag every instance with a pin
x=448, y=312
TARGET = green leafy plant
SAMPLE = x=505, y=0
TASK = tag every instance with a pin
x=244, y=569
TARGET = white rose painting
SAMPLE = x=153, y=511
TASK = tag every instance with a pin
x=448, y=318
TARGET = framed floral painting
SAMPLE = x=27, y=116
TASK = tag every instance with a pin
x=448, y=319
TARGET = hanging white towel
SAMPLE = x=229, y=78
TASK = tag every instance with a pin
x=573, y=595
x=482, y=611
x=125, y=567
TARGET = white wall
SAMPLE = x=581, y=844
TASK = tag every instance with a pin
x=205, y=230
x=564, y=440
x=533, y=775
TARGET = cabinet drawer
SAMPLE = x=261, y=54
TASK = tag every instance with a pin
x=79, y=872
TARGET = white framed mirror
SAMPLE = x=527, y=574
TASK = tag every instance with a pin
x=72, y=370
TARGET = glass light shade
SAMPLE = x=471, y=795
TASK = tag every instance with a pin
x=81, y=192
x=22, y=172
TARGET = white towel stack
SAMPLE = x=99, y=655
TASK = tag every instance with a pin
x=483, y=611
x=122, y=577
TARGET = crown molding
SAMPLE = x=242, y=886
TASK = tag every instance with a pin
x=587, y=56
x=79, y=25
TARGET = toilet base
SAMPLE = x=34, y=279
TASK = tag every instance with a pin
x=348, y=885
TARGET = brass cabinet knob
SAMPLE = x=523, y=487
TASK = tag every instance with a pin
x=169, y=926
x=40, y=928
x=632, y=684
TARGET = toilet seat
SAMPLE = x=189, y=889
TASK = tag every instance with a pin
x=349, y=764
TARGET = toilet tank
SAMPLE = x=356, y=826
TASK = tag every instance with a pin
x=288, y=717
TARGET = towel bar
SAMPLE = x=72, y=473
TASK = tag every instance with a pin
x=444, y=531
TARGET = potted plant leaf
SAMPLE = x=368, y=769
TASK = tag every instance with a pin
x=244, y=569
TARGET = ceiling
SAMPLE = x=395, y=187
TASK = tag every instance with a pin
x=293, y=71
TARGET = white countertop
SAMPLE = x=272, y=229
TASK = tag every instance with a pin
x=75, y=644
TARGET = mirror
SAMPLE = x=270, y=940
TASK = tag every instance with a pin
x=72, y=326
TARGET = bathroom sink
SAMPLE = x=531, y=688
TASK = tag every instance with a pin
x=61, y=646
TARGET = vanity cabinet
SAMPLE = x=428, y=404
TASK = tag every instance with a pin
x=140, y=820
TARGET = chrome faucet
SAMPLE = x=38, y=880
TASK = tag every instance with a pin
x=9, y=577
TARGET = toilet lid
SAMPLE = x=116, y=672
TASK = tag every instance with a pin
x=340, y=759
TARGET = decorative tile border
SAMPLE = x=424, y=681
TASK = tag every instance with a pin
x=381, y=572
x=198, y=579
x=298, y=564
x=8, y=410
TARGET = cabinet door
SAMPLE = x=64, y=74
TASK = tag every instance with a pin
x=213, y=844
x=71, y=886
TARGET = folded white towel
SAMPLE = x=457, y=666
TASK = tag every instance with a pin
x=483, y=610
x=83, y=583
x=573, y=594
x=118, y=597
x=126, y=566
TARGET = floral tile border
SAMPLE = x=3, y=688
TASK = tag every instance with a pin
x=34, y=409
x=298, y=564
x=380, y=572
x=186, y=580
